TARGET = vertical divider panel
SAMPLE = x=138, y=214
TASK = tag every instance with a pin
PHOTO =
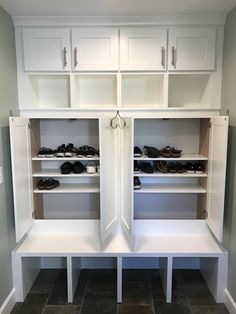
x=72, y=91
x=166, y=276
x=165, y=91
x=73, y=271
x=119, y=91
x=119, y=279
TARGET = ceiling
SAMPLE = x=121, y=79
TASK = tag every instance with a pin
x=114, y=7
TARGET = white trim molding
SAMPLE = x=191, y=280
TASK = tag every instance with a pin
x=9, y=303
x=229, y=302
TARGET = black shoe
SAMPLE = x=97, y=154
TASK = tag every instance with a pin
x=61, y=151
x=66, y=168
x=172, y=167
x=137, y=152
x=189, y=167
x=146, y=167
x=51, y=184
x=41, y=184
x=137, y=183
x=78, y=167
x=70, y=150
x=179, y=167
x=46, y=152
x=136, y=167
x=151, y=152
x=198, y=168
x=160, y=166
x=87, y=151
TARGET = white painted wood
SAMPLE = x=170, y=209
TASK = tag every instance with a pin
x=143, y=49
x=71, y=188
x=170, y=188
x=57, y=173
x=127, y=178
x=21, y=175
x=73, y=272
x=65, y=159
x=170, y=175
x=119, y=279
x=194, y=48
x=230, y=302
x=95, y=91
x=108, y=177
x=44, y=49
x=184, y=157
x=165, y=268
x=95, y=49
x=217, y=173
x=9, y=303
x=142, y=90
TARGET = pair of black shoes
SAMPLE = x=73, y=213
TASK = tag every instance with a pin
x=68, y=167
x=149, y=151
x=143, y=166
x=194, y=168
x=47, y=184
x=137, y=183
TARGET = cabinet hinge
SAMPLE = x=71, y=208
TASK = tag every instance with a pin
x=29, y=125
x=205, y=214
x=33, y=215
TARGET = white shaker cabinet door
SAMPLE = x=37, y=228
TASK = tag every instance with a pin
x=46, y=49
x=192, y=49
x=21, y=174
x=217, y=173
x=108, y=177
x=95, y=49
x=126, y=155
x=143, y=49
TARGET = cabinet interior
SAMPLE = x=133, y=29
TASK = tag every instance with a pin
x=95, y=91
x=189, y=90
x=77, y=196
x=49, y=91
x=142, y=90
x=172, y=196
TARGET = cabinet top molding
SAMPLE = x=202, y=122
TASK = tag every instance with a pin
x=154, y=20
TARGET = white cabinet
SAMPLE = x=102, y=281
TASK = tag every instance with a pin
x=95, y=49
x=185, y=195
x=143, y=49
x=79, y=195
x=192, y=49
x=46, y=49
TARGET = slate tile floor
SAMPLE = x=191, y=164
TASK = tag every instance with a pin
x=142, y=294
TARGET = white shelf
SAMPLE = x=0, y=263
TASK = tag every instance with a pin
x=71, y=188
x=56, y=173
x=64, y=158
x=171, y=188
x=167, y=175
x=184, y=157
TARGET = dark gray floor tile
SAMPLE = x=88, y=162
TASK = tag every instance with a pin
x=102, y=281
x=58, y=295
x=99, y=303
x=33, y=304
x=62, y=309
x=132, y=309
x=139, y=294
x=45, y=281
x=134, y=276
x=209, y=309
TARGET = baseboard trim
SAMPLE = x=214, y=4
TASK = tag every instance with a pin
x=9, y=303
x=229, y=302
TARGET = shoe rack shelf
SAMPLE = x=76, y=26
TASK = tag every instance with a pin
x=166, y=175
x=171, y=188
x=184, y=157
x=56, y=173
x=65, y=158
x=71, y=188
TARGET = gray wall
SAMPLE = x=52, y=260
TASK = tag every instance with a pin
x=229, y=102
x=8, y=101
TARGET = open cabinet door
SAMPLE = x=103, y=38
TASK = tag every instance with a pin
x=216, y=174
x=21, y=175
x=127, y=177
x=108, y=177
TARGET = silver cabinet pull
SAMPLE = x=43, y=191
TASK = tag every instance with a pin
x=75, y=57
x=163, y=61
x=65, y=60
x=173, y=57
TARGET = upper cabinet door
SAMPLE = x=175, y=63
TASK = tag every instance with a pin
x=108, y=177
x=21, y=175
x=192, y=49
x=216, y=174
x=95, y=49
x=143, y=49
x=47, y=49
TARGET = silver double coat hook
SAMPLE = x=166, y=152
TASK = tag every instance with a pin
x=118, y=121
